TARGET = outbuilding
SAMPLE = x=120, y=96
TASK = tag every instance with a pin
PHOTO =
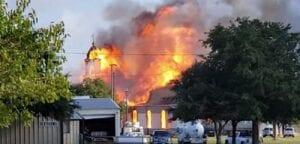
x=100, y=118
x=95, y=118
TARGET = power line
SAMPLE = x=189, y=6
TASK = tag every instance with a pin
x=108, y=76
x=81, y=53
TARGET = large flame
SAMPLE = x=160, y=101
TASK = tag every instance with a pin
x=100, y=61
x=107, y=55
x=161, y=49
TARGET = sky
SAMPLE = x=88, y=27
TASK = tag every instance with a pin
x=82, y=20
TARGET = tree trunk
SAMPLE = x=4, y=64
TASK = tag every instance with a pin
x=279, y=129
x=283, y=127
x=274, y=131
x=255, y=131
x=234, y=124
x=218, y=130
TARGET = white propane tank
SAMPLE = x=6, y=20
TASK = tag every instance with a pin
x=195, y=129
x=191, y=129
x=180, y=129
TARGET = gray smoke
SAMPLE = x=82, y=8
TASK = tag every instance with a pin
x=207, y=14
x=221, y=11
x=129, y=17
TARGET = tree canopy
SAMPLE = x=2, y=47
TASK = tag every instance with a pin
x=30, y=65
x=92, y=87
x=252, y=69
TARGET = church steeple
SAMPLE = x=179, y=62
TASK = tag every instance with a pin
x=93, y=47
x=93, y=43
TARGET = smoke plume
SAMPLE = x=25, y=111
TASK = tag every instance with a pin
x=156, y=46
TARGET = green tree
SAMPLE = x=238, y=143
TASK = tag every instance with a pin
x=95, y=88
x=255, y=64
x=202, y=90
x=265, y=66
x=30, y=65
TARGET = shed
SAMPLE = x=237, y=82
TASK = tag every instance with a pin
x=71, y=130
x=100, y=117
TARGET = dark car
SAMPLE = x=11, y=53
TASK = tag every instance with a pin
x=161, y=137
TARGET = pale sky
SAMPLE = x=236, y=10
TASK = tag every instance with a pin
x=82, y=19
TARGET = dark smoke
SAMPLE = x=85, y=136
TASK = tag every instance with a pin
x=129, y=17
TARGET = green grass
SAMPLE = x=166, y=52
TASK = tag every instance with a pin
x=281, y=140
x=212, y=140
x=267, y=140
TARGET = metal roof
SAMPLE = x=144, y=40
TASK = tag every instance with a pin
x=76, y=116
x=96, y=104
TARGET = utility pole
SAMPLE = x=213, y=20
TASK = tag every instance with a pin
x=126, y=103
x=112, y=81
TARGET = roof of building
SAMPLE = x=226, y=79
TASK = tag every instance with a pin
x=161, y=96
x=76, y=116
x=96, y=104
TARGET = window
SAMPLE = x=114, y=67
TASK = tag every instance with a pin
x=134, y=116
x=149, y=119
x=163, y=119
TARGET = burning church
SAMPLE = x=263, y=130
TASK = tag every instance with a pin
x=143, y=56
x=145, y=49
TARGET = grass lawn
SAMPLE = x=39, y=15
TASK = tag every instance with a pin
x=281, y=140
x=212, y=140
x=267, y=140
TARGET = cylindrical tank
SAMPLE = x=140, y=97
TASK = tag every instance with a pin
x=195, y=129
x=191, y=129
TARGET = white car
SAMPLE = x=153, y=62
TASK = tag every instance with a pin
x=242, y=137
x=289, y=131
x=268, y=132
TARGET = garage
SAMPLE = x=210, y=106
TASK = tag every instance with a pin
x=100, y=118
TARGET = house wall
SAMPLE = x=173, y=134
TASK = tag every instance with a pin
x=156, y=116
x=142, y=118
x=41, y=131
x=156, y=123
x=73, y=135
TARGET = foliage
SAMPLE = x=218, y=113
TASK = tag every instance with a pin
x=30, y=64
x=91, y=87
x=61, y=109
x=264, y=66
x=252, y=70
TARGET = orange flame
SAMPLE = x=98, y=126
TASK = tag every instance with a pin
x=165, y=11
x=160, y=53
x=148, y=29
x=106, y=56
x=99, y=61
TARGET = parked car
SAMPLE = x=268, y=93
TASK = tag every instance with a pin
x=161, y=137
x=289, y=131
x=268, y=132
x=242, y=137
